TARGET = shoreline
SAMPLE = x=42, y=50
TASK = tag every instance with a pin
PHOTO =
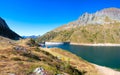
x=98, y=44
x=105, y=70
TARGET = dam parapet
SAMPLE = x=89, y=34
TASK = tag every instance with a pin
x=57, y=43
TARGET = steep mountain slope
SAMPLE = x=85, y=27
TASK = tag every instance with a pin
x=100, y=27
x=5, y=31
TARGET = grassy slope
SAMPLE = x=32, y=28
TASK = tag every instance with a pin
x=23, y=63
x=75, y=61
x=86, y=34
x=6, y=43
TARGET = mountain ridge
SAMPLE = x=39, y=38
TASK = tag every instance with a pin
x=99, y=17
x=5, y=31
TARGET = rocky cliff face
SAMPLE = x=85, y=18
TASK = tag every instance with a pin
x=105, y=16
x=113, y=13
x=5, y=31
x=102, y=17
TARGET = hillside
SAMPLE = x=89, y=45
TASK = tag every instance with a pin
x=23, y=59
x=100, y=27
x=5, y=31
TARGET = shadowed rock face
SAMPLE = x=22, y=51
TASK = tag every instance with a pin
x=5, y=31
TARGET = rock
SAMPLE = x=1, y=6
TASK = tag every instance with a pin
x=111, y=14
x=20, y=49
x=11, y=74
x=39, y=71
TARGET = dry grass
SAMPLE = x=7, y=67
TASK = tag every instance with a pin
x=22, y=42
x=22, y=62
x=6, y=43
x=73, y=60
x=54, y=61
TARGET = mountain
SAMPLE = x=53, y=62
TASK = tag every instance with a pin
x=105, y=16
x=102, y=17
x=32, y=36
x=100, y=27
x=5, y=31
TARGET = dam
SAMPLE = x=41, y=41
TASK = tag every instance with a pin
x=57, y=43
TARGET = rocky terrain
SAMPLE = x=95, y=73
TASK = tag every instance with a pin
x=5, y=31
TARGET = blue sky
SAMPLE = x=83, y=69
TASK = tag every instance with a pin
x=36, y=17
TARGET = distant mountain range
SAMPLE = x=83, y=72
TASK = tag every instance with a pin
x=32, y=36
x=100, y=27
x=5, y=31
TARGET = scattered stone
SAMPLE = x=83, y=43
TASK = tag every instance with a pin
x=11, y=74
x=21, y=49
x=39, y=71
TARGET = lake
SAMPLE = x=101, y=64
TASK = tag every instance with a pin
x=101, y=55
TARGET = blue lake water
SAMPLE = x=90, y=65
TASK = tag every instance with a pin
x=101, y=55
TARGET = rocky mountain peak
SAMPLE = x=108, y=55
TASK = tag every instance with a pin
x=113, y=13
x=105, y=16
x=111, y=10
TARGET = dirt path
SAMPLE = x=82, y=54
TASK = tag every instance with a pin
x=106, y=71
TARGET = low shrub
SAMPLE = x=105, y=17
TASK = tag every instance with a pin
x=16, y=59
